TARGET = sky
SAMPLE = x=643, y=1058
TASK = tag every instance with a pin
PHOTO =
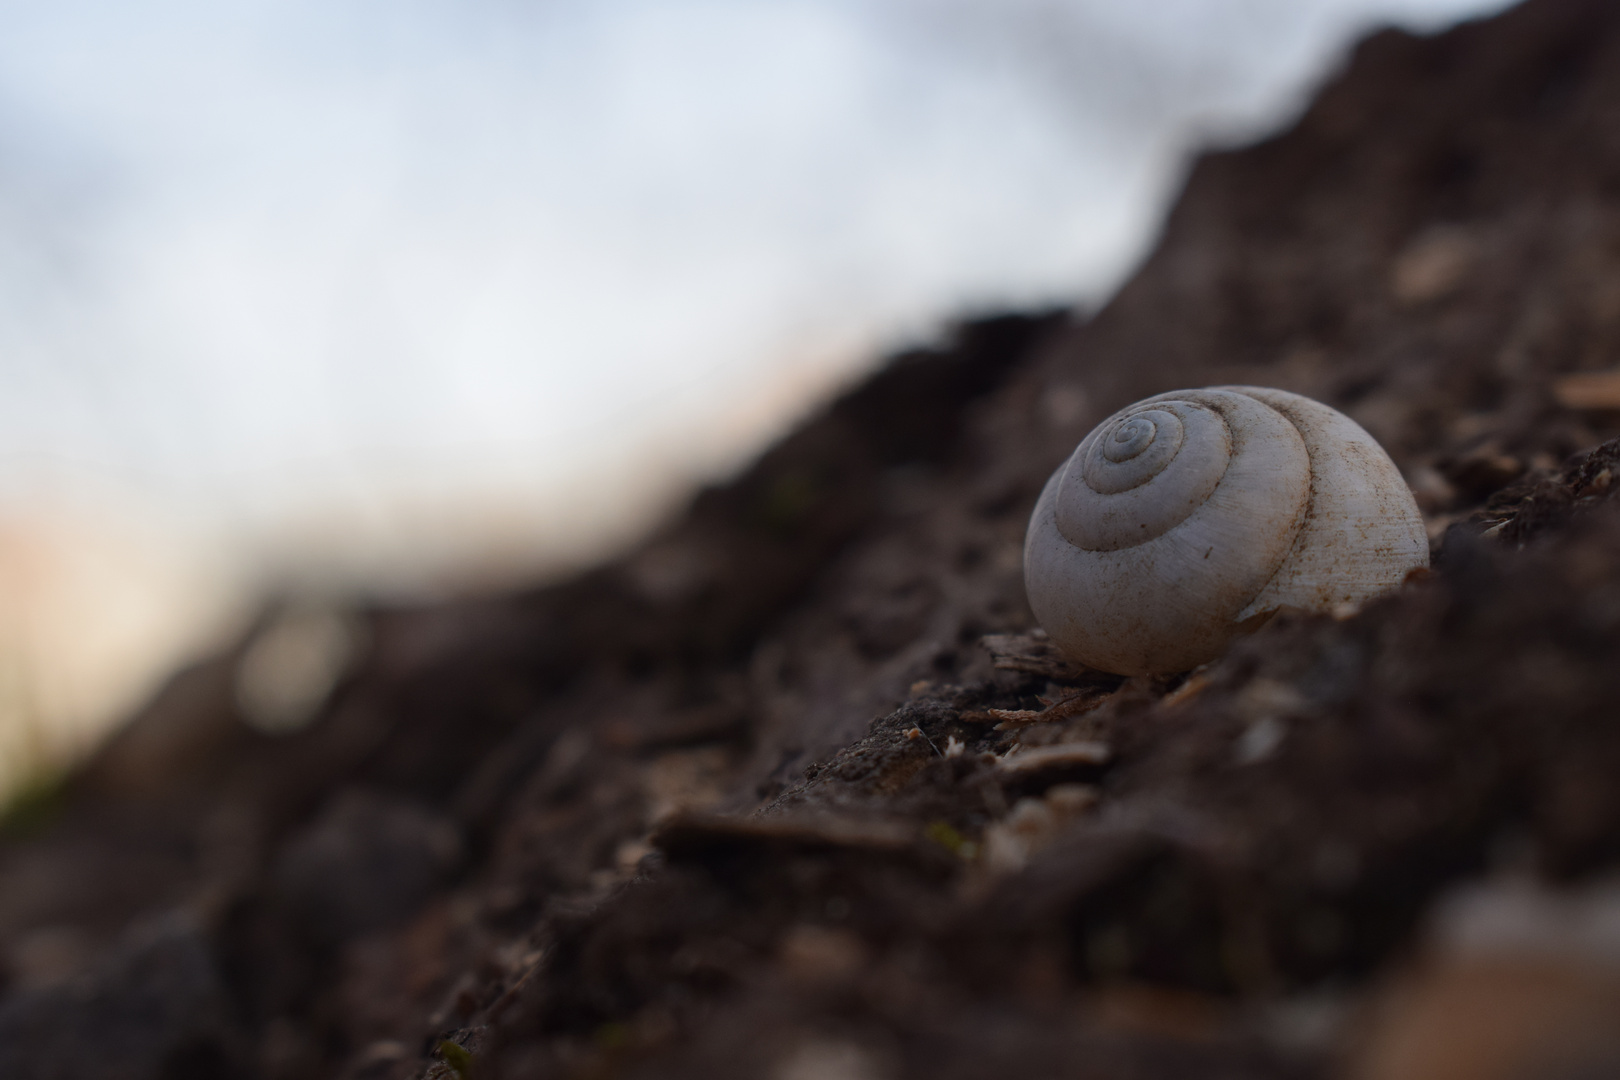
x=398, y=297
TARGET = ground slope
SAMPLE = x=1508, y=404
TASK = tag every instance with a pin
x=741, y=804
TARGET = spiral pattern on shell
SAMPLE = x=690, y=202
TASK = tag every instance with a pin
x=1182, y=518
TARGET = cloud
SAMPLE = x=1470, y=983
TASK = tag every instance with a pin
x=264, y=260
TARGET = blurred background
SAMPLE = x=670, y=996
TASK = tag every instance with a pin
x=349, y=299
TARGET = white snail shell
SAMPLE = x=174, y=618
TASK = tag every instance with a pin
x=1183, y=518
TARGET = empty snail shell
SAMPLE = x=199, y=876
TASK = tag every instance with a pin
x=1185, y=518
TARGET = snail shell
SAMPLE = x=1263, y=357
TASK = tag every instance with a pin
x=1184, y=518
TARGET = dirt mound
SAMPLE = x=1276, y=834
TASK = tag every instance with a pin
x=797, y=789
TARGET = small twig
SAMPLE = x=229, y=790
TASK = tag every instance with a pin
x=1075, y=704
x=919, y=733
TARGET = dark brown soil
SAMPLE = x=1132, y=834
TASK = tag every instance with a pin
x=774, y=796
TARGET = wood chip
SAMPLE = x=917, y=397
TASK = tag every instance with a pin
x=1588, y=390
x=1187, y=691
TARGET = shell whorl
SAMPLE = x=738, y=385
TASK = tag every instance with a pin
x=1181, y=516
x=1149, y=468
x=1140, y=474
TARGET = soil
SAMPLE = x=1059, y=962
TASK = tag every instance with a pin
x=798, y=790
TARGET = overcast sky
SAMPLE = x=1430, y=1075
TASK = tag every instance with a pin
x=357, y=281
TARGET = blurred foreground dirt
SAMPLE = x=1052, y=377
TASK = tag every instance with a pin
x=773, y=796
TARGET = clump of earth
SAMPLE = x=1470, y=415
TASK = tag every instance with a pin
x=798, y=789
